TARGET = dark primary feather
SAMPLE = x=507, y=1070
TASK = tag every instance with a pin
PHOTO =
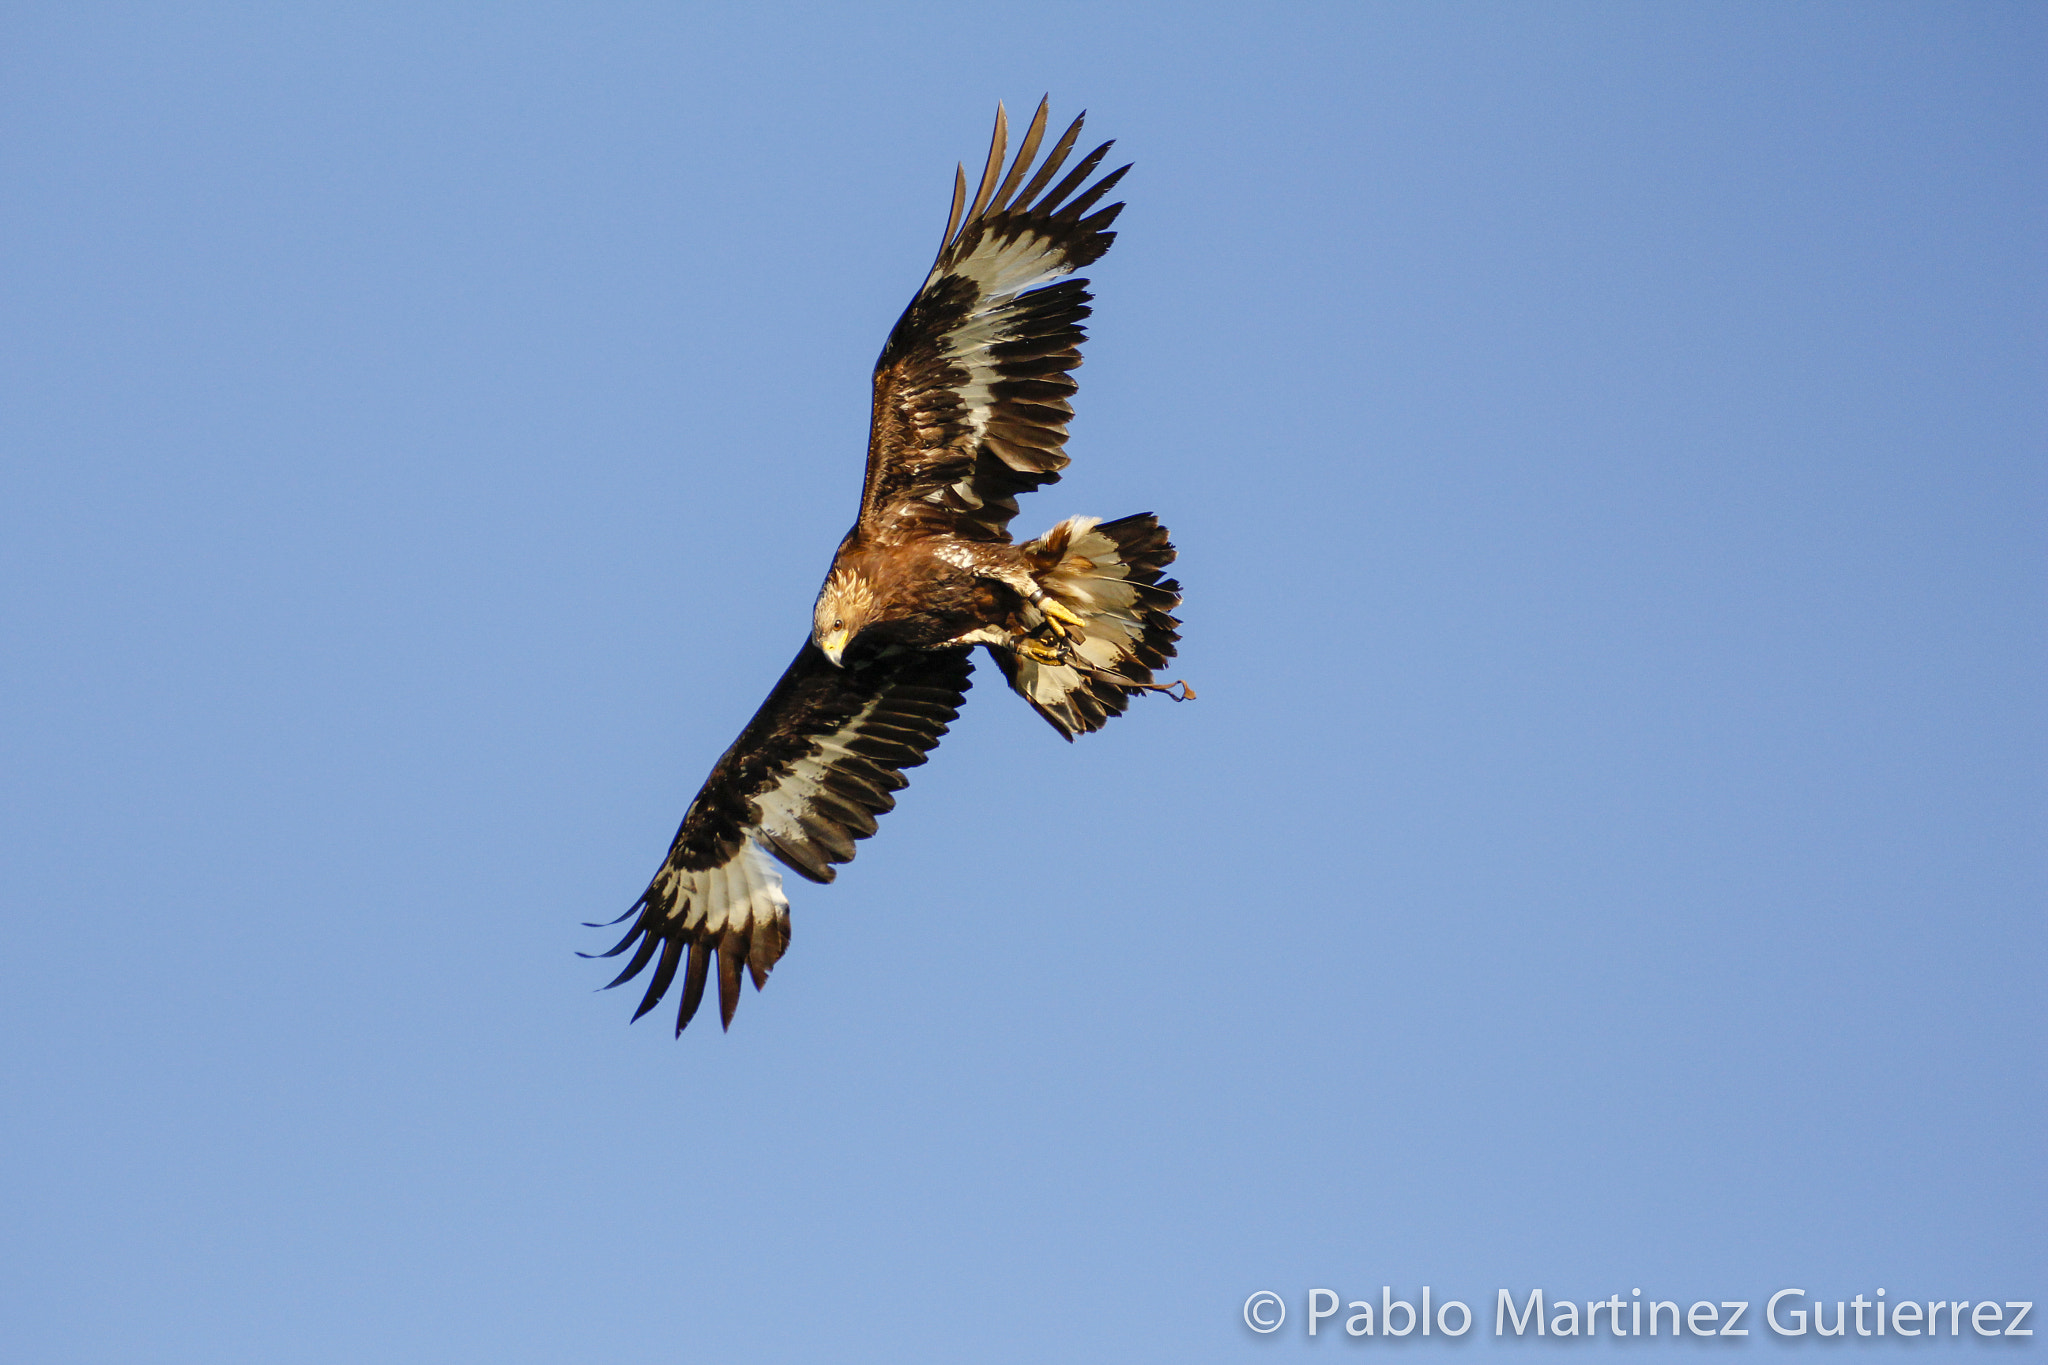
x=804, y=780
x=971, y=390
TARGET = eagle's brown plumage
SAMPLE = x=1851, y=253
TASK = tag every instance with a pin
x=970, y=410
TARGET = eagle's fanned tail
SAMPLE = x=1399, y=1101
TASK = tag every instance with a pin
x=1108, y=574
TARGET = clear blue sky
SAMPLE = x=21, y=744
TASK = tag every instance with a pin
x=1606, y=443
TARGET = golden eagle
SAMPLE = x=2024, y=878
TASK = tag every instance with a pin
x=970, y=410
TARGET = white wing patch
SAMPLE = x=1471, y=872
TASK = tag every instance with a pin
x=743, y=891
x=781, y=809
x=1001, y=271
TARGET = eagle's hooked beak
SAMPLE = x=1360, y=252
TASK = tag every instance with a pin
x=834, y=645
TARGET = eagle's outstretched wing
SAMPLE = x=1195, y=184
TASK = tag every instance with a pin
x=806, y=778
x=971, y=389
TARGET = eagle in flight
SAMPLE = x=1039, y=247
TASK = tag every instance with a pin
x=970, y=409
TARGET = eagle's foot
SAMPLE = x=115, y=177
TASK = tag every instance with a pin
x=1049, y=652
x=1058, y=618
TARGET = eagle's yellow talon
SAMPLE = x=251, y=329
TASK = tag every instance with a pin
x=1059, y=617
x=1051, y=653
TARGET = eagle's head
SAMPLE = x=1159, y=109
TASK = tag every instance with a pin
x=846, y=605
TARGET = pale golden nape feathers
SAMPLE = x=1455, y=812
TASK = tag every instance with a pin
x=845, y=604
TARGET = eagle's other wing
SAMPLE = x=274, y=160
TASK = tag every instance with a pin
x=971, y=389
x=806, y=778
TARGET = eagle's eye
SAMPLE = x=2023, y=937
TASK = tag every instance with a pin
x=838, y=624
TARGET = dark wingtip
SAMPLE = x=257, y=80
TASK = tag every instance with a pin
x=616, y=919
x=728, y=986
x=639, y=960
x=693, y=986
x=664, y=972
